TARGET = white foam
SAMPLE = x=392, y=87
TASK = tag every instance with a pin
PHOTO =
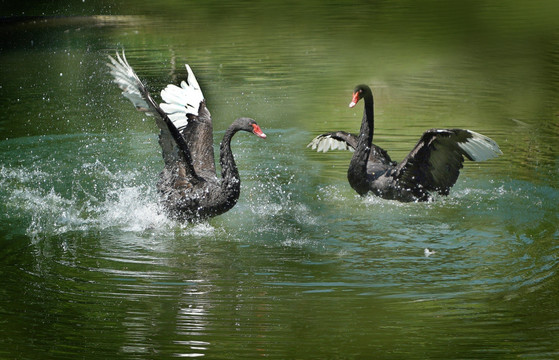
x=428, y=252
x=202, y=229
x=132, y=208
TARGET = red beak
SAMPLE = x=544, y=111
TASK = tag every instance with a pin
x=257, y=131
x=355, y=99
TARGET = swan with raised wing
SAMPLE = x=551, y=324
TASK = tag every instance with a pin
x=189, y=186
x=432, y=166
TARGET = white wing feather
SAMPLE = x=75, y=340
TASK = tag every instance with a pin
x=128, y=81
x=178, y=101
x=183, y=100
x=324, y=143
x=480, y=147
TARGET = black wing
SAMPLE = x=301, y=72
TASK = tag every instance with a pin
x=173, y=144
x=435, y=162
x=187, y=109
x=341, y=140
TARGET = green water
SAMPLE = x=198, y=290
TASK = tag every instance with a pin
x=301, y=268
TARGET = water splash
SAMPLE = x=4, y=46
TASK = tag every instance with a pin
x=131, y=208
x=50, y=208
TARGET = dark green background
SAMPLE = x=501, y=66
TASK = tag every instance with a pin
x=301, y=267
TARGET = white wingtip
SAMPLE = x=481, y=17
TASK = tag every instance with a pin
x=191, y=78
x=324, y=143
x=127, y=80
x=480, y=147
x=183, y=100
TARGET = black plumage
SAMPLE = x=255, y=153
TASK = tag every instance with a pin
x=432, y=166
x=188, y=184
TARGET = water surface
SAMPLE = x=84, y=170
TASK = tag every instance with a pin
x=301, y=267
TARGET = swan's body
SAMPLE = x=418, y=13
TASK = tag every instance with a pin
x=432, y=166
x=188, y=184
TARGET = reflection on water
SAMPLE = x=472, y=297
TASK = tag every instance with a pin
x=301, y=267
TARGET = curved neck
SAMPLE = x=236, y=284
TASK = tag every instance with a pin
x=357, y=172
x=230, y=181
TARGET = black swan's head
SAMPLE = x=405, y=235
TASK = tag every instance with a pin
x=248, y=124
x=358, y=93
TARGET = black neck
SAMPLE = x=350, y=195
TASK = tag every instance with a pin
x=357, y=172
x=230, y=180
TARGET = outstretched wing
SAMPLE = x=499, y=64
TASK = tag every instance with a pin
x=173, y=144
x=337, y=140
x=435, y=162
x=183, y=100
x=186, y=107
x=132, y=88
x=341, y=140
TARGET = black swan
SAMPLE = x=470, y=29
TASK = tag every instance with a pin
x=433, y=164
x=188, y=184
